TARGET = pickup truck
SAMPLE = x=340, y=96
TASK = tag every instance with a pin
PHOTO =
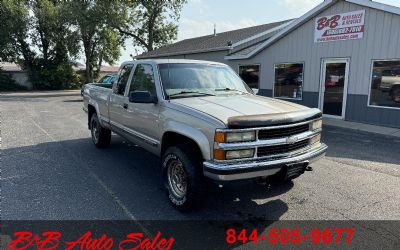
x=205, y=124
x=391, y=84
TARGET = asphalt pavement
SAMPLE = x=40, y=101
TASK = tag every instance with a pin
x=51, y=170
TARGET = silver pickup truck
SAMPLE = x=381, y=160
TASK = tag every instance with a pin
x=205, y=123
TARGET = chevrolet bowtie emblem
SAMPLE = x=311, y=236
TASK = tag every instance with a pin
x=292, y=140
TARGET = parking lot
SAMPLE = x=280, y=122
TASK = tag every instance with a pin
x=51, y=170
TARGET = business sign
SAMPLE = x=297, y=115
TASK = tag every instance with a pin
x=340, y=27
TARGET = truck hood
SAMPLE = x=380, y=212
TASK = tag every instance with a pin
x=226, y=107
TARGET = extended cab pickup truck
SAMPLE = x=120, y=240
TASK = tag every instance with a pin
x=205, y=123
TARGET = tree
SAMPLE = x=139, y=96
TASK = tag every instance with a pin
x=100, y=42
x=14, y=30
x=151, y=23
x=36, y=36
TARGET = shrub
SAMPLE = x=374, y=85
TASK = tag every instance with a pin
x=7, y=83
x=47, y=76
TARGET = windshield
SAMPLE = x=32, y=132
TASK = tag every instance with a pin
x=182, y=80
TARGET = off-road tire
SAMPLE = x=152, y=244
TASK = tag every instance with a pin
x=191, y=163
x=101, y=137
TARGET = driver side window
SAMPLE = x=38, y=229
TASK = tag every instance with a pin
x=123, y=79
x=143, y=79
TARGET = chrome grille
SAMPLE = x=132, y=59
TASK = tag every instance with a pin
x=267, y=134
x=281, y=149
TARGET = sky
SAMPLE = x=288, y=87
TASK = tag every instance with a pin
x=199, y=16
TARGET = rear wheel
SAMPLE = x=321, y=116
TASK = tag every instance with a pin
x=183, y=177
x=101, y=137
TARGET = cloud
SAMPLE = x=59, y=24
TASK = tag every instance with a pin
x=303, y=5
x=189, y=28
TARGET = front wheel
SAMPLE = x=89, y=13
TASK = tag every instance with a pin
x=183, y=177
x=396, y=94
x=101, y=137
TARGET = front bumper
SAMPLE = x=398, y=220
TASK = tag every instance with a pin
x=262, y=168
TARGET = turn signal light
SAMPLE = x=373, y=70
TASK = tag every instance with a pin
x=219, y=154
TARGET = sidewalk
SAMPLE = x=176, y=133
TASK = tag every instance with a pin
x=362, y=127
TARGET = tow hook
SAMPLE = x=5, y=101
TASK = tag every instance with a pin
x=309, y=168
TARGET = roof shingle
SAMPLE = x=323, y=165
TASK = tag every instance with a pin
x=209, y=42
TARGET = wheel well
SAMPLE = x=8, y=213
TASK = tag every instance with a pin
x=91, y=111
x=170, y=139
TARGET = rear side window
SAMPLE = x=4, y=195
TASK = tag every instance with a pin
x=123, y=77
x=143, y=79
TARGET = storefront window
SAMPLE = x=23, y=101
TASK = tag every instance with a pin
x=250, y=74
x=289, y=80
x=385, y=86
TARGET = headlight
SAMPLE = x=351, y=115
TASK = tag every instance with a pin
x=235, y=136
x=220, y=154
x=316, y=125
x=315, y=139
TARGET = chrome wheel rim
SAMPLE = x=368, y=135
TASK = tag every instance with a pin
x=95, y=130
x=177, y=178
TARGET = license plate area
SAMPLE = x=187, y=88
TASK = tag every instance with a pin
x=295, y=170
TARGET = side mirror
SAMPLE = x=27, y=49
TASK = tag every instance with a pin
x=142, y=97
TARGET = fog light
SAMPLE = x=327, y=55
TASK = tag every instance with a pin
x=238, y=154
x=315, y=139
x=316, y=125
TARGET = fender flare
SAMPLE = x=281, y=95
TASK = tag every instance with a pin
x=194, y=134
x=96, y=107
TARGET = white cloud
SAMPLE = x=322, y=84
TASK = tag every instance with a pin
x=303, y=5
x=189, y=28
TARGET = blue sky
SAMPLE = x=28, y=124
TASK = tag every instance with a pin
x=199, y=16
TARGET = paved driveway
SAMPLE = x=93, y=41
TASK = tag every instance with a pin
x=51, y=170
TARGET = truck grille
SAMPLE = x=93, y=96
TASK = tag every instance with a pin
x=267, y=134
x=281, y=149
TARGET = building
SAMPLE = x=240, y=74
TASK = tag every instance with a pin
x=17, y=73
x=343, y=57
x=21, y=75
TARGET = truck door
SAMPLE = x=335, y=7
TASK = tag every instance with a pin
x=119, y=99
x=143, y=118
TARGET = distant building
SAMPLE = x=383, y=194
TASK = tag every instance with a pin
x=17, y=73
x=21, y=76
x=343, y=57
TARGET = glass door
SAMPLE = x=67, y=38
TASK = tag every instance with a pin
x=334, y=87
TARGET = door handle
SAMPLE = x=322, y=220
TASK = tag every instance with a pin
x=125, y=106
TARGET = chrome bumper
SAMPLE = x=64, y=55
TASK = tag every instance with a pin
x=262, y=168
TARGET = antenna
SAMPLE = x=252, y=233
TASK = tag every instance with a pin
x=215, y=29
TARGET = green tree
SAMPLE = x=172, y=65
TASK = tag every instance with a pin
x=14, y=30
x=100, y=42
x=36, y=36
x=57, y=43
x=151, y=23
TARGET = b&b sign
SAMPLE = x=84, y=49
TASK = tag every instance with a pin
x=340, y=27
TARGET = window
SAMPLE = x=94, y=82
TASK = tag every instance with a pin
x=185, y=80
x=143, y=79
x=250, y=75
x=385, y=86
x=289, y=80
x=123, y=79
x=105, y=79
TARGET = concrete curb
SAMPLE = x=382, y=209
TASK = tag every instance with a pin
x=387, y=131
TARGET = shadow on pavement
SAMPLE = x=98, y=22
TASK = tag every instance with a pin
x=357, y=145
x=74, y=180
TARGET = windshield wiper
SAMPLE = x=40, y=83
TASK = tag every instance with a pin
x=190, y=92
x=229, y=89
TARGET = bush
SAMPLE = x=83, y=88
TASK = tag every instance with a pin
x=7, y=83
x=46, y=76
